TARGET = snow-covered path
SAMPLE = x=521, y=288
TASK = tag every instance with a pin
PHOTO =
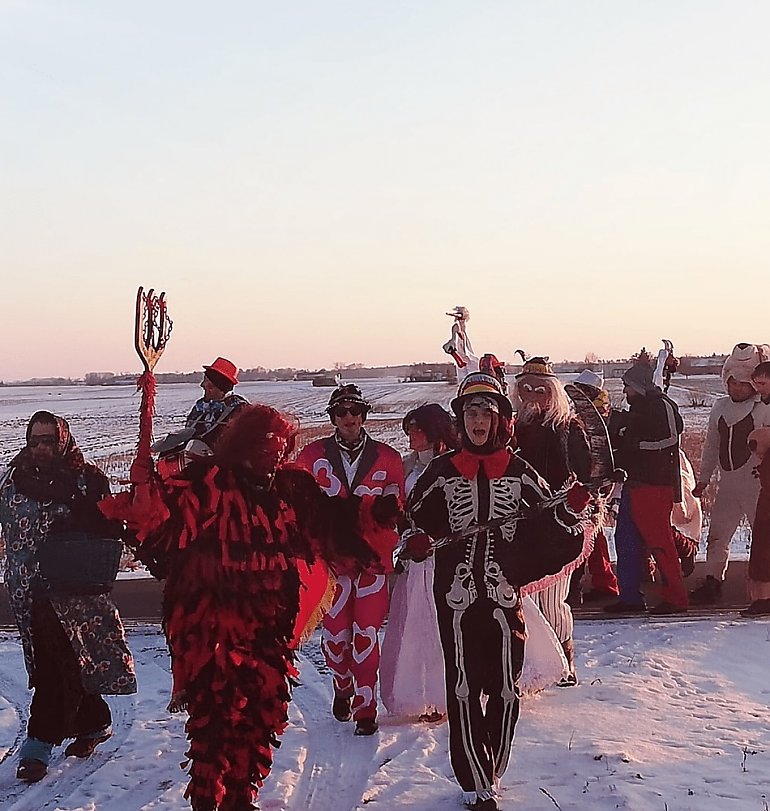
x=668, y=715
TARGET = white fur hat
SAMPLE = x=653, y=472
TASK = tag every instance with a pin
x=590, y=378
x=742, y=361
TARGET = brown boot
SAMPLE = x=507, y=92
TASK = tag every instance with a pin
x=571, y=679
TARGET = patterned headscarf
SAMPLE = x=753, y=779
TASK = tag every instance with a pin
x=67, y=453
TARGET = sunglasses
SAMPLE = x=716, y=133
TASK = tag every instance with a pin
x=355, y=410
x=44, y=439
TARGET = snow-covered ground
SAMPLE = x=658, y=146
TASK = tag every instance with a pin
x=668, y=715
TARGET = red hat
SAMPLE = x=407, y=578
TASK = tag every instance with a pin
x=226, y=368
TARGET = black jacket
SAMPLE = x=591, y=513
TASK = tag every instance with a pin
x=648, y=447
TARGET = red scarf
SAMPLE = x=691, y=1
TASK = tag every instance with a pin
x=494, y=464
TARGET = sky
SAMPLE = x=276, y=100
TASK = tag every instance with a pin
x=319, y=182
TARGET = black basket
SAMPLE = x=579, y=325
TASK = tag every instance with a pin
x=77, y=563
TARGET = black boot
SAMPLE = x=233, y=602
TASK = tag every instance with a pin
x=366, y=726
x=708, y=593
x=341, y=707
x=759, y=608
x=571, y=679
x=30, y=770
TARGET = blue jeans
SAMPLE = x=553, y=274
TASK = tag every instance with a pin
x=631, y=553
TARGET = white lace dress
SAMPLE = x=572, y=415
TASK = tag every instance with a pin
x=412, y=662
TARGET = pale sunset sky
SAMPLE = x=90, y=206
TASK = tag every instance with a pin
x=313, y=182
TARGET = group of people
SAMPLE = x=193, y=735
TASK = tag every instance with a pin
x=471, y=547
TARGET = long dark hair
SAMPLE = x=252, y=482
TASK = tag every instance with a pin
x=436, y=423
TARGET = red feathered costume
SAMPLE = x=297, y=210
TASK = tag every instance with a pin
x=228, y=536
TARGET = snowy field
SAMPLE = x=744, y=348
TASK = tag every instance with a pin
x=104, y=418
x=668, y=715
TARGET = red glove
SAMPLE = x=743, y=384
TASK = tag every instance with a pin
x=141, y=470
x=418, y=547
x=578, y=497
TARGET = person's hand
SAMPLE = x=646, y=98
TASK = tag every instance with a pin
x=699, y=489
x=418, y=547
x=385, y=510
x=141, y=470
x=578, y=497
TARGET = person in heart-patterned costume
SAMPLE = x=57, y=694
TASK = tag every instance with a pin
x=366, y=480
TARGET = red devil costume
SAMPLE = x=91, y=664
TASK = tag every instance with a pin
x=234, y=536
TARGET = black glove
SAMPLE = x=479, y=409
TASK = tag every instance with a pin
x=385, y=510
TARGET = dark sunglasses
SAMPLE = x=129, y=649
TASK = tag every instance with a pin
x=355, y=410
x=45, y=439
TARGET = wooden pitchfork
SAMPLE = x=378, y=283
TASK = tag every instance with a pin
x=152, y=329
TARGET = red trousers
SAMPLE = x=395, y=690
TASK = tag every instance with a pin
x=651, y=513
x=599, y=566
x=350, y=642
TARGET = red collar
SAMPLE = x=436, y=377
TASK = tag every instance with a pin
x=494, y=464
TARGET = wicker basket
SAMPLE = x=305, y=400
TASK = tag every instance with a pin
x=77, y=563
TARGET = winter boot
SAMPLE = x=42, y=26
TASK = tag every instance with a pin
x=341, y=707
x=759, y=608
x=34, y=757
x=708, y=593
x=571, y=679
x=84, y=745
x=31, y=770
x=666, y=608
x=366, y=726
x=483, y=805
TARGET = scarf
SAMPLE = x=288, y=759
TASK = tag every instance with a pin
x=493, y=464
x=353, y=450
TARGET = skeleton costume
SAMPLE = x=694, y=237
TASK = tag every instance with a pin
x=477, y=582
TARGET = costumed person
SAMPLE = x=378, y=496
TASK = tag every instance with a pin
x=758, y=580
x=648, y=451
x=206, y=419
x=411, y=672
x=365, y=480
x=234, y=535
x=588, y=389
x=459, y=344
x=726, y=450
x=477, y=577
x=552, y=439
x=72, y=637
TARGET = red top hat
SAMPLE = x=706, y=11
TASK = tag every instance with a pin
x=226, y=368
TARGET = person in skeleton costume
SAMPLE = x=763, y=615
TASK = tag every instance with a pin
x=365, y=480
x=552, y=439
x=478, y=578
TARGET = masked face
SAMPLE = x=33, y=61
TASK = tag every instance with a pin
x=479, y=424
x=535, y=396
